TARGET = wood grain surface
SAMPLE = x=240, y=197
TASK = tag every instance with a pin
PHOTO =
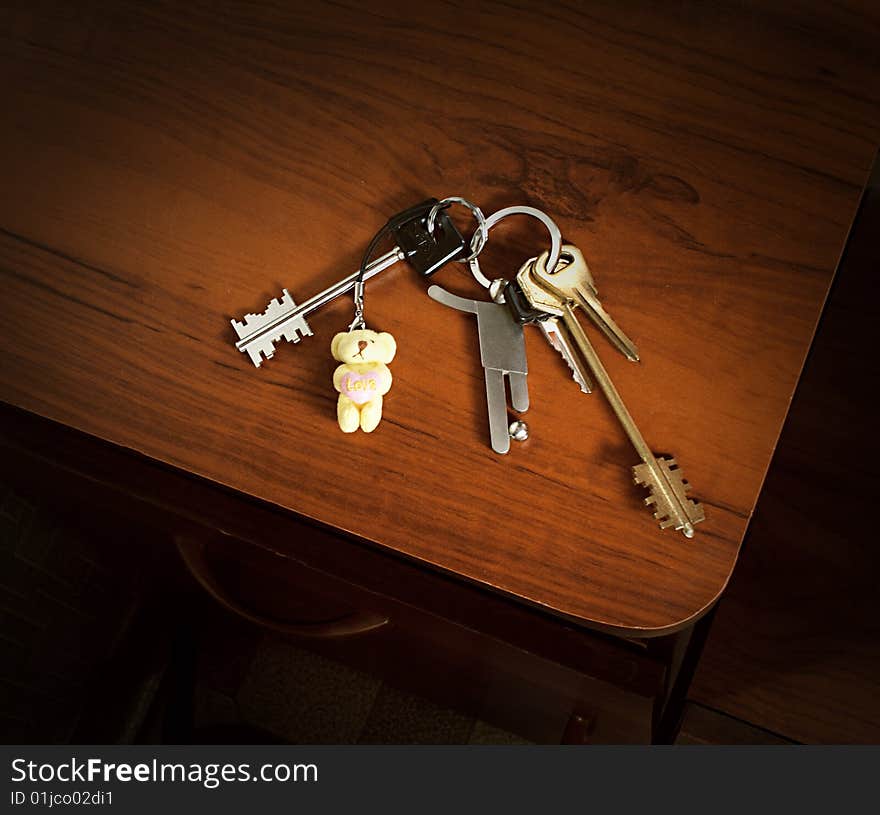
x=169, y=166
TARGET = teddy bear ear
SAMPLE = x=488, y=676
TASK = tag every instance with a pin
x=389, y=346
x=334, y=345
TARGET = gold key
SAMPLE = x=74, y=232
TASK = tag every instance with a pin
x=571, y=280
x=660, y=475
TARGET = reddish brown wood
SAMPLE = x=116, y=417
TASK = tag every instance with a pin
x=706, y=726
x=477, y=668
x=100, y=484
x=453, y=642
x=166, y=168
x=337, y=622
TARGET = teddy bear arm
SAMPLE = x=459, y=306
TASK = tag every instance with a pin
x=384, y=380
x=337, y=376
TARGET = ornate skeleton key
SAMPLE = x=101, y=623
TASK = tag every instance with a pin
x=503, y=354
x=661, y=476
x=284, y=319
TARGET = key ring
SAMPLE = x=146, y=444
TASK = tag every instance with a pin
x=543, y=217
x=478, y=241
x=358, y=322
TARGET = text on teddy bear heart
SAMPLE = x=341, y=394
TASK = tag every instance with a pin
x=360, y=388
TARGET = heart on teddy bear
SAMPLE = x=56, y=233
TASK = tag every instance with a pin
x=360, y=388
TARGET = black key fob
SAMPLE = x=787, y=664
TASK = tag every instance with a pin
x=519, y=306
x=427, y=252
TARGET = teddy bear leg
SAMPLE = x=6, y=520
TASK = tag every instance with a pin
x=347, y=414
x=371, y=415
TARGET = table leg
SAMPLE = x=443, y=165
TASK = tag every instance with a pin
x=681, y=652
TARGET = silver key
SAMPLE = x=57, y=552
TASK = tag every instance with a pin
x=556, y=334
x=284, y=319
x=503, y=354
x=552, y=329
x=553, y=326
x=426, y=251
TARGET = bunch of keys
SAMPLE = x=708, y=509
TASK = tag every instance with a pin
x=545, y=292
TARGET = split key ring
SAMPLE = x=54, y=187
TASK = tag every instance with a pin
x=479, y=240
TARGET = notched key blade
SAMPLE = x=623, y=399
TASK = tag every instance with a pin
x=555, y=334
x=571, y=281
x=602, y=319
x=666, y=512
x=257, y=337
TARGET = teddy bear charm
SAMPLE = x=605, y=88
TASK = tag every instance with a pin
x=363, y=378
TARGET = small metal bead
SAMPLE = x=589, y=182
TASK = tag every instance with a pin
x=519, y=430
x=496, y=290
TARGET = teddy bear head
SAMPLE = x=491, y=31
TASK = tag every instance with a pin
x=363, y=345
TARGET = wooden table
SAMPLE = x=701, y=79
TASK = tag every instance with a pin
x=167, y=168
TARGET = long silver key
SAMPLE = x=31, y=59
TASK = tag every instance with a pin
x=284, y=319
x=503, y=354
x=661, y=476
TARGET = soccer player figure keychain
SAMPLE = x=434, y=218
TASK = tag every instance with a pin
x=363, y=378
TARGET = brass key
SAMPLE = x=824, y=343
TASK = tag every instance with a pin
x=660, y=475
x=571, y=280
